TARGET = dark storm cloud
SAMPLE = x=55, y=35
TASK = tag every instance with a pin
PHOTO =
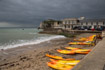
x=32, y=12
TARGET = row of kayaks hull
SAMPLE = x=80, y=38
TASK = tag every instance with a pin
x=60, y=63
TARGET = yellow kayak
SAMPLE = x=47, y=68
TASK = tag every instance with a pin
x=79, y=52
x=59, y=66
x=73, y=51
x=82, y=50
x=78, y=49
x=73, y=43
x=66, y=51
x=71, y=48
x=67, y=62
x=81, y=43
x=90, y=38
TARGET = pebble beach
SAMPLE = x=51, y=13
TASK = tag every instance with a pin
x=32, y=57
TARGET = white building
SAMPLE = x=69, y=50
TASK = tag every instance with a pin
x=74, y=23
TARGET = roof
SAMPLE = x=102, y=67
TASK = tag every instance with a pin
x=92, y=20
x=70, y=19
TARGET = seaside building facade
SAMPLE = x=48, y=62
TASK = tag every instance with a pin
x=92, y=23
x=69, y=23
x=50, y=23
x=74, y=23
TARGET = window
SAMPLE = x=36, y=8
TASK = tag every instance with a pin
x=89, y=23
x=72, y=22
x=69, y=21
x=86, y=23
x=65, y=26
x=96, y=23
x=81, y=23
x=68, y=26
x=100, y=23
x=103, y=23
x=65, y=22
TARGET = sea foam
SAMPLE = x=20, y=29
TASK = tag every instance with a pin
x=21, y=43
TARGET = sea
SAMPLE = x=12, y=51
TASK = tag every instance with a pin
x=18, y=37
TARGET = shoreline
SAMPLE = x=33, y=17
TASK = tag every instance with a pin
x=27, y=47
x=36, y=41
x=32, y=57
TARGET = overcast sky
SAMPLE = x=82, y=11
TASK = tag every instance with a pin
x=29, y=13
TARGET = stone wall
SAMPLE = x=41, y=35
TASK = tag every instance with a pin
x=58, y=31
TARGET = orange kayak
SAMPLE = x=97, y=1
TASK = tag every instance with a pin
x=81, y=43
x=66, y=51
x=79, y=51
x=58, y=57
x=71, y=48
x=90, y=38
x=67, y=62
x=59, y=66
x=54, y=57
x=82, y=50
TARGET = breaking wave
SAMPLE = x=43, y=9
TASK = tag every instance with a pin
x=21, y=43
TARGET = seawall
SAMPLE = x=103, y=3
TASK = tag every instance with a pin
x=58, y=31
x=95, y=60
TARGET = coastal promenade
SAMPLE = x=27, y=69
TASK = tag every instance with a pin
x=95, y=60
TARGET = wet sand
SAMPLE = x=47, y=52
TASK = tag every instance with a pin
x=32, y=57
